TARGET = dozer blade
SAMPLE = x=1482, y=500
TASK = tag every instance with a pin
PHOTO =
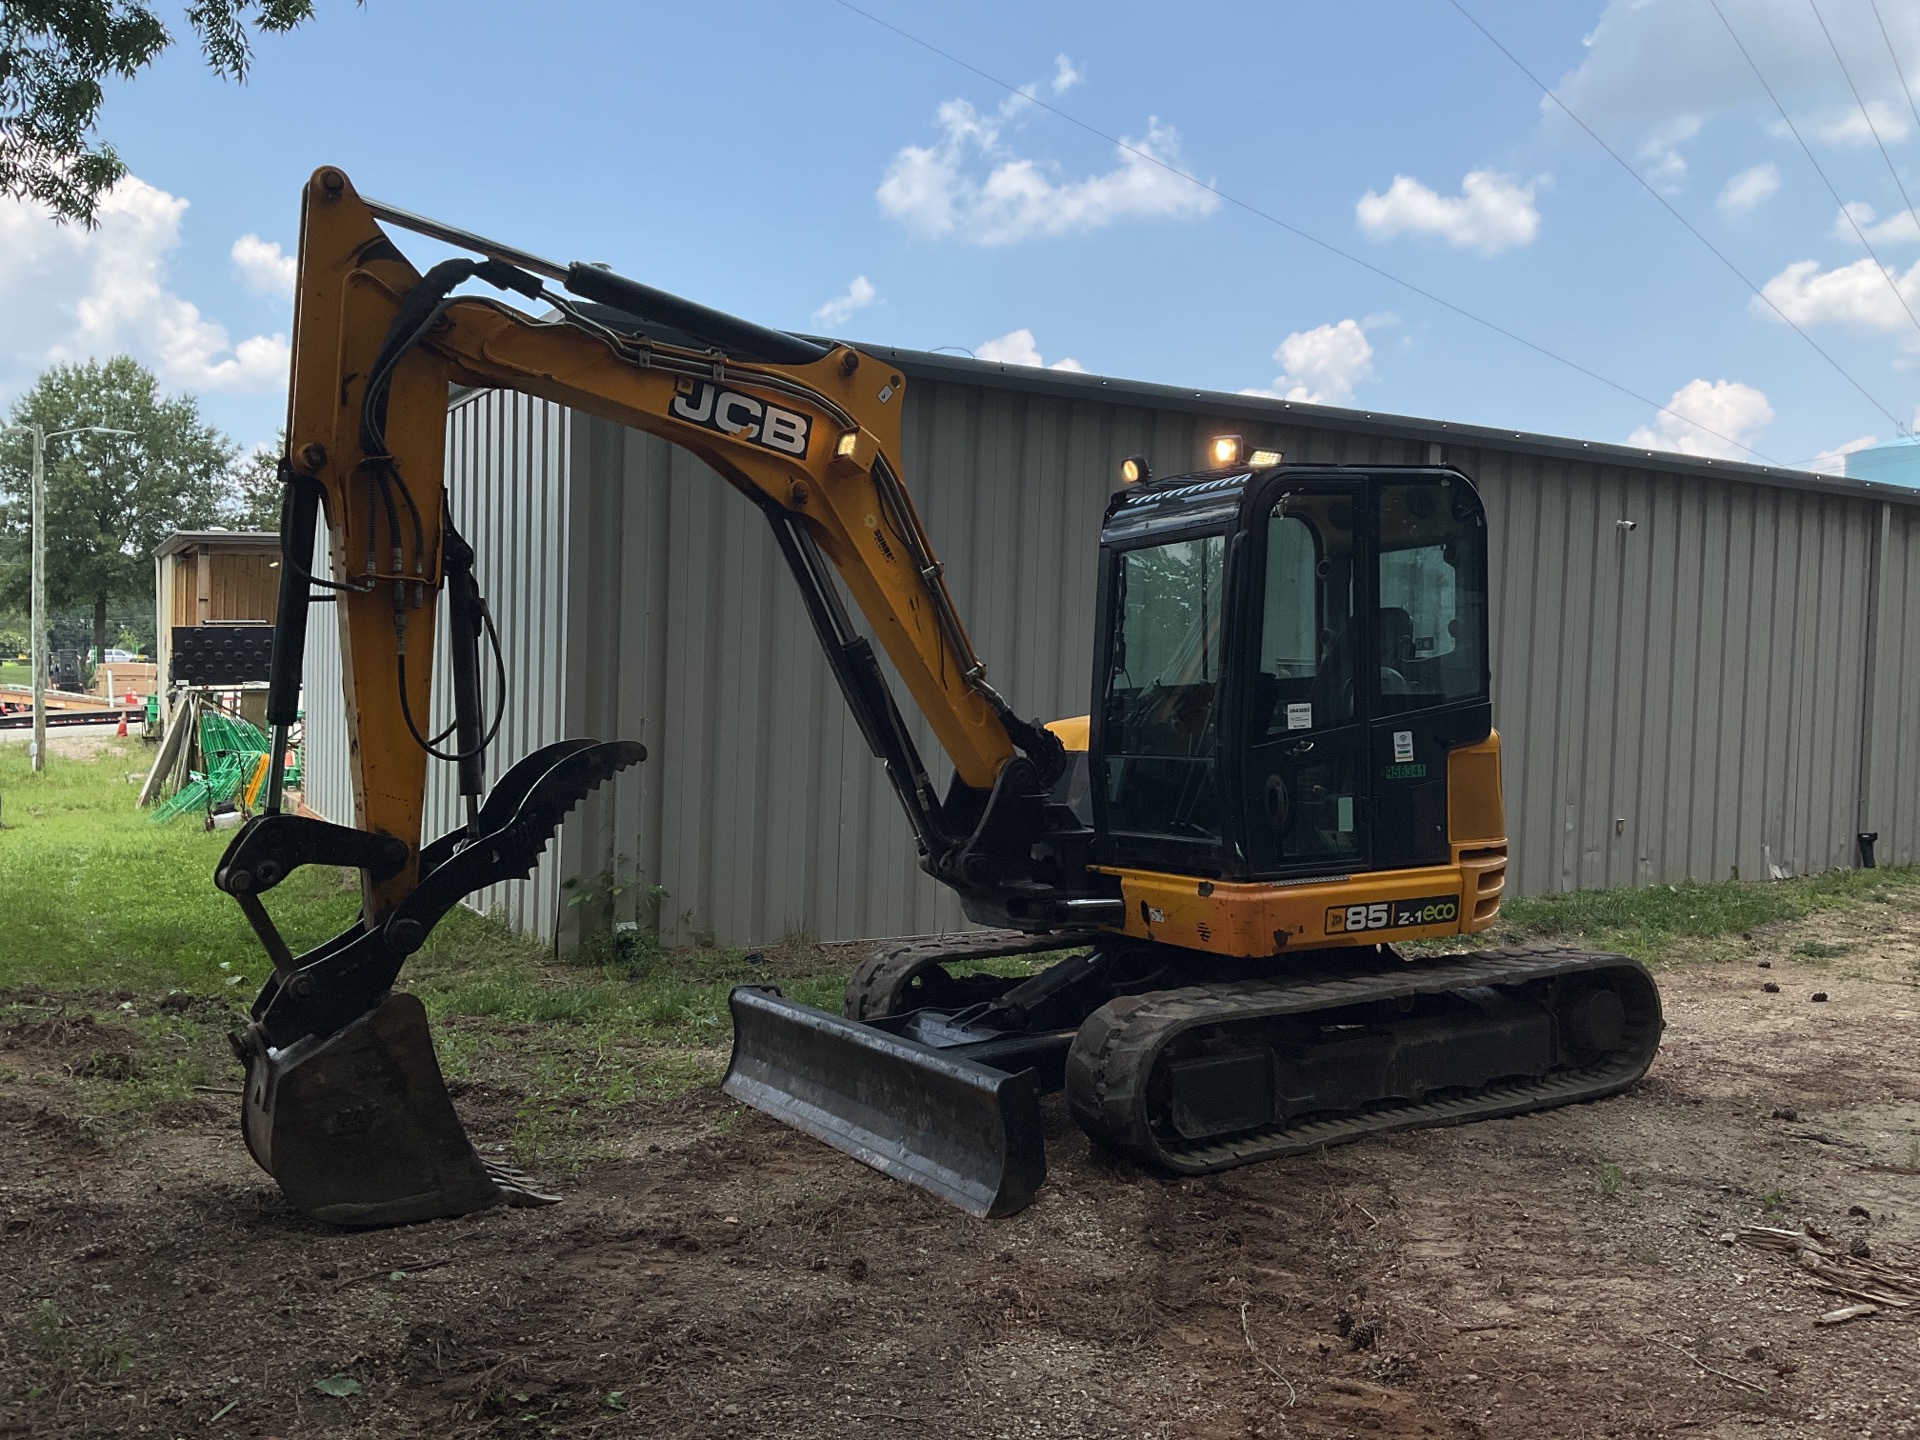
x=968, y=1133
x=358, y=1128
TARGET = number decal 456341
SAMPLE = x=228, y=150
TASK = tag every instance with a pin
x=1393, y=914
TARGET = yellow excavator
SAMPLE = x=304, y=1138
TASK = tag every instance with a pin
x=1288, y=769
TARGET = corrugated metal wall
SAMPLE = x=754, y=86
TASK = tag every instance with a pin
x=1682, y=698
x=1890, y=776
x=507, y=475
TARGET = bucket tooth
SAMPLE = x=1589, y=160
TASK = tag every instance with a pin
x=967, y=1133
x=358, y=1129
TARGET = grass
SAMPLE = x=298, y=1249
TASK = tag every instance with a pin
x=105, y=914
x=60, y=1356
x=1609, y=1178
x=1821, y=949
x=13, y=672
x=1652, y=923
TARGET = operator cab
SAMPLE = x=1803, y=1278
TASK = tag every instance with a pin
x=1286, y=656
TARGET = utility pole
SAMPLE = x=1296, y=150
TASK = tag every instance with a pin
x=38, y=754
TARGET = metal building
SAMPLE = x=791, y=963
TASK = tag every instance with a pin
x=1701, y=668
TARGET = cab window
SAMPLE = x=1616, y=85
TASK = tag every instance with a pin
x=1163, y=687
x=1432, y=618
x=1307, y=652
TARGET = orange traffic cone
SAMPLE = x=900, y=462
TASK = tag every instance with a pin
x=123, y=724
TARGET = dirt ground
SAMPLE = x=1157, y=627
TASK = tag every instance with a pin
x=1557, y=1275
x=74, y=742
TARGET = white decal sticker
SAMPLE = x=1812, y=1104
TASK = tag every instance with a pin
x=1346, y=814
x=731, y=413
x=1156, y=917
x=1300, y=717
x=1402, y=747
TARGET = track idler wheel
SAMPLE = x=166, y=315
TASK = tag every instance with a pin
x=894, y=984
x=358, y=1128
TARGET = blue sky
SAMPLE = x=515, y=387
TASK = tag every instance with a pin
x=774, y=158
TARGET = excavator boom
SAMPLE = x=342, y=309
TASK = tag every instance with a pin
x=345, y=1103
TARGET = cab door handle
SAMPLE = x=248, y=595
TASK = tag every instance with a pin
x=1298, y=747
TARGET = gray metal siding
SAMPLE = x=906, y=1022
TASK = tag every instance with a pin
x=1679, y=700
x=1891, y=778
x=507, y=477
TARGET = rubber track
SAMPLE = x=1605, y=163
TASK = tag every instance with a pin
x=879, y=981
x=1114, y=1054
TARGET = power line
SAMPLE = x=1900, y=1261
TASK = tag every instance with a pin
x=1295, y=230
x=1866, y=114
x=1887, y=274
x=1895, y=56
x=1718, y=254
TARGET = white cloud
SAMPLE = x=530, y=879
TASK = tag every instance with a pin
x=1065, y=75
x=1492, y=212
x=1018, y=347
x=1834, y=461
x=1899, y=228
x=1856, y=297
x=1649, y=63
x=70, y=294
x=1846, y=125
x=1736, y=412
x=263, y=269
x=971, y=186
x=857, y=296
x=1323, y=365
x=1665, y=167
x=1749, y=189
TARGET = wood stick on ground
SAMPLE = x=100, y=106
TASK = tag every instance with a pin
x=1293, y=1396
x=409, y=1270
x=1850, y=1312
x=1735, y=1379
x=1872, y=1281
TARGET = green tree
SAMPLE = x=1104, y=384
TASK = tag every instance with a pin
x=55, y=53
x=255, y=502
x=110, y=499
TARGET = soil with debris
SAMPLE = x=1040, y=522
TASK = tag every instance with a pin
x=1568, y=1273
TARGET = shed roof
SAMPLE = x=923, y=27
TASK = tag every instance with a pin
x=242, y=540
x=1074, y=385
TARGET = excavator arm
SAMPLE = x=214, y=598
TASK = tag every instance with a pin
x=345, y=1105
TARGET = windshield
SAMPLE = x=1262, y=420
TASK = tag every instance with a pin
x=1162, y=689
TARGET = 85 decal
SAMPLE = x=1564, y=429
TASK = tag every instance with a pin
x=1393, y=914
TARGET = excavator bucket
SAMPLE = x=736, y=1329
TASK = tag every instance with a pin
x=359, y=1130
x=966, y=1132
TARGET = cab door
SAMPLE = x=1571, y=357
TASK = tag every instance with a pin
x=1429, y=679
x=1305, y=802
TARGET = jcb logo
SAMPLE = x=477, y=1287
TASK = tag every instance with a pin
x=731, y=413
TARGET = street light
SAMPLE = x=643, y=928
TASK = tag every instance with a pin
x=38, y=619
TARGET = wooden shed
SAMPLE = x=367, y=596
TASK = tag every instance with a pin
x=212, y=577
